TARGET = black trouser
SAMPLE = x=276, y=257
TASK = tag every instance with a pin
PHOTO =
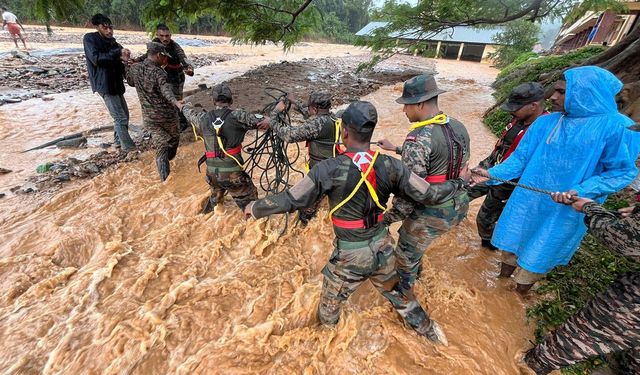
x=497, y=196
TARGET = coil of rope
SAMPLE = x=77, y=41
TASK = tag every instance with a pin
x=268, y=154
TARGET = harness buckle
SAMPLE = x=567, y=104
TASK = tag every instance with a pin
x=217, y=124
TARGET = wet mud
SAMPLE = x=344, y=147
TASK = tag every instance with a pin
x=120, y=274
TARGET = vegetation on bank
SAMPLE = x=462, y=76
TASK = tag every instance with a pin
x=566, y=289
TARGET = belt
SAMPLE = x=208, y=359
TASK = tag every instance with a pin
x=352, y=224
x=349, y=245
x=232, y=151
x=436, y=178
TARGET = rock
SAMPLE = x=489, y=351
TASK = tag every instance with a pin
x=35, y=69
x=29, y=187
x=92, y=167
x=72, y=143
x=58, y=167
x=12, y=100
x=5, y=171
x=62, y=177
x=105, y=145
x=2, y=195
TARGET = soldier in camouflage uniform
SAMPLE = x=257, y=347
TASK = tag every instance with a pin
x=223, y=130
x=358, y=183
x=320, y=133
x=158, y=105
x=526, y=104
x=176, y=65
x=610, y=322
x=436, y=149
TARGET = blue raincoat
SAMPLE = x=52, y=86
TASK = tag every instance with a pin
x=585, y=149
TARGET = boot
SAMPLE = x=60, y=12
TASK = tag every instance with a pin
x=163, y=167
x=433, y=332
x=523, y=288
x=506, y=270
x=487, y=244
x=209, y=206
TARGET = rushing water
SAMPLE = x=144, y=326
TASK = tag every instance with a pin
x=120, y=274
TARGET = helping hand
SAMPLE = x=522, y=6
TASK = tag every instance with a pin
x=579, y=203
x=480, y=175
x=626, y=211
x=567, y=197
x=189, y=71
x=385, y=144
x=180, y=104
x=264, y=124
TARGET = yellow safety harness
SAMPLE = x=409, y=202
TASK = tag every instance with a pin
x=338, y=124
x=437, y=120
x=363, y=180
x=217, y=125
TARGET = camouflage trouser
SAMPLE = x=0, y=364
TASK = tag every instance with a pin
x=165, y=139
x=178, y=89
x=420, y=229
x=608, y=323
x=351, y=264
x=491, y=208
x=238, y=184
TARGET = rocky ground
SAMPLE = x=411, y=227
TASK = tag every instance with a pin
x=24, y=76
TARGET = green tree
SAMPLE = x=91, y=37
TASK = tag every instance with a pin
x=516, y=38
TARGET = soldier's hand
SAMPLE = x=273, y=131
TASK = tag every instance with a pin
x=465, y=173
x=567, y=197
x=626, y=211
x=280, y=106
x=385, y=144
x=479, y=175
x=264, y=124
x=180, y=104
x=125, y=55
x=247, y=210
x=579, y=203
x=189, y=71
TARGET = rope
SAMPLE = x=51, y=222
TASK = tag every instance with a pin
x=508, y=182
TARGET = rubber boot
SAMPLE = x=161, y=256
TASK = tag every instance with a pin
x=172, y=152
x=162, y=162
x=523, y=288
x=487, y=244
x=506, y=270
x=432, y=331
x=209, y=206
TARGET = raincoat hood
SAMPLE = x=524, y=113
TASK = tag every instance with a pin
x=591, y=91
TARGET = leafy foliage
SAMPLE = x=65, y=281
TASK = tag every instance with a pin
x=517, y=37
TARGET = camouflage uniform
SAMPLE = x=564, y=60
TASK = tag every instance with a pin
x=608, y=323
x=158, y=110
x=365, y=252
x=223, y=173
x=176, y=64
x=427, y=152
x=319, y=132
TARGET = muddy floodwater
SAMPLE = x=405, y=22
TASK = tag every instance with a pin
x=120, y=274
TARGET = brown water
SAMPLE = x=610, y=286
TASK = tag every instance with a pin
x=120, y=274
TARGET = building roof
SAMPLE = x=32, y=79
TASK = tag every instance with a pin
x=459, y=34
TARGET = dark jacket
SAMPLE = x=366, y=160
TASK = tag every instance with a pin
x=106, y=71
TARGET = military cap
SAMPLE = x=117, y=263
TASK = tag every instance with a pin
x=221, y=92
x=361, y=116
x=419, y=89
x=155, y=48
x=320, y=99
x=522, y=95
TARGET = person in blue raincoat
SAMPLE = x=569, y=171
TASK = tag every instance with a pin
x=582, y=149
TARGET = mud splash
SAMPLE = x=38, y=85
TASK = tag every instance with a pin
x=121, y=275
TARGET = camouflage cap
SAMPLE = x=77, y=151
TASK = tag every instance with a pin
x=361, y=116
x=221, y=92
x=521, y=95
x=419, y=89
x=320, y=99
x=154, y=48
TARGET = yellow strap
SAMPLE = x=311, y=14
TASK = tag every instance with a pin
x=195, y=133
x=225, y=151
x=335, y=143
x=306, y=168
x=439, y=120
x=363, y=179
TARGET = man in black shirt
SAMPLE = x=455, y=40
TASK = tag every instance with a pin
x=106, y=73
x=526, y=104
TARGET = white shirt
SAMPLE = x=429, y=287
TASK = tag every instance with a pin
x=9, y=17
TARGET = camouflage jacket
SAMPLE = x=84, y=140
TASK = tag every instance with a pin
x=426, y=152
x=618, y=234
x=155, y=94
x=336, y=178
x=318, y=131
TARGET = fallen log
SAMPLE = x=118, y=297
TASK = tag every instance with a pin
x=72, y=136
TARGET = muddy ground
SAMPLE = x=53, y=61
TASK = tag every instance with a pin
x=336, y=75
